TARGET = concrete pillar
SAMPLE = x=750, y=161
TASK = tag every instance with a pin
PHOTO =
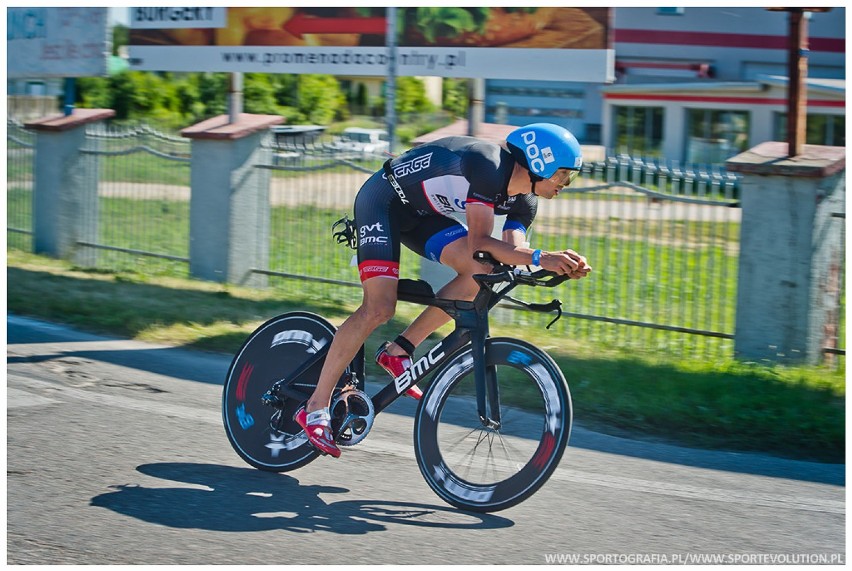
x=675, y=135
x=65, y=189
x=229, y=204
x=791, y=252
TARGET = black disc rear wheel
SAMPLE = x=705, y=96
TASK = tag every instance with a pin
x=265, y=436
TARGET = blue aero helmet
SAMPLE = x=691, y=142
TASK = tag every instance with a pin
x=544, y=148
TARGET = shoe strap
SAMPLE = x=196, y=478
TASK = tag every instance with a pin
x=320, y=416
x=405, y=345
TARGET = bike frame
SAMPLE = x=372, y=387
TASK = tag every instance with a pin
x=471, y=319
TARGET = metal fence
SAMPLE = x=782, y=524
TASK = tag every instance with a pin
x=663, y=238
x=19, y=186
x=143, y=199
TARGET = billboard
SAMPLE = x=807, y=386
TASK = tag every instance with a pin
x=547, y=43
x=56, y=42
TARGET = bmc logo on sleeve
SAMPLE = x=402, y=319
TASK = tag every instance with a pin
x=538, y=157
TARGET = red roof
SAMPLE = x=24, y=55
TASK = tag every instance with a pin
x=489, y=131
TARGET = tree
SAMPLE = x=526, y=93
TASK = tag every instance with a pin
x=188, y=95
x=120, y=37
x=411, y=96
x=259, y=94
x=121, y=87
x=454, y=96
x=320, y=98
x=213, y=92
x=286, y=89
x=93, y=93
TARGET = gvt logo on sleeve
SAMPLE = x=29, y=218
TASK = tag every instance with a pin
x=368, y=234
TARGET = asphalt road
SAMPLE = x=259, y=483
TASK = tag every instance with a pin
x=116, y=455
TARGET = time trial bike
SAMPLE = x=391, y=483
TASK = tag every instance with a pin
x=492, y=424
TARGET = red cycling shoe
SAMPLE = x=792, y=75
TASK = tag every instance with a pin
x=396, y=365
x=317, y=425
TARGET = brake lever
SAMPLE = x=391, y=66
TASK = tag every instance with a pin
x=555, y=305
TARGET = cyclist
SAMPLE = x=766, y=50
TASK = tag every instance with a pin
x=412, y=201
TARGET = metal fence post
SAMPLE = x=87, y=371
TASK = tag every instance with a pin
x=65, y=185
x=229, y=204
x=791, y=251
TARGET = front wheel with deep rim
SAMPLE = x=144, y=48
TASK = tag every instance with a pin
x=487, y=469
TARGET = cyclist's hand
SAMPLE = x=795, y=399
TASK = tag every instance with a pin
x=566, y=262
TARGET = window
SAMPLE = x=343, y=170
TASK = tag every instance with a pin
x=537, y=92
x=36, y=88
x=500, y=109
x=827, y=130
x=715, y=135
x=670, y=11
x=638, y=131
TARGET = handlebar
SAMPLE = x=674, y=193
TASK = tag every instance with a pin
x=504, y=273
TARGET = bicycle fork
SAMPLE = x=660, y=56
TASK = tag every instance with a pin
x=485, y=380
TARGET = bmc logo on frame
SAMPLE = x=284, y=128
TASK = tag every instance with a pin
x=538, y=157
x=418, y=369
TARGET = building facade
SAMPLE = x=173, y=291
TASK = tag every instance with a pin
x=692, y=84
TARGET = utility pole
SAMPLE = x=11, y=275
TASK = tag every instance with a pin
x=390, y=90
x=797, y=75
x=476, y=106
x=235, y=96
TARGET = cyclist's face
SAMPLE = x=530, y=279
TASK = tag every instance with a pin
x=563, y=178
x=560, y=180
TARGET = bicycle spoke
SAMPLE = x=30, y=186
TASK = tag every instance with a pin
x=505, y=445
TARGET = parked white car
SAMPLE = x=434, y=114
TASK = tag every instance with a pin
x=363, y=141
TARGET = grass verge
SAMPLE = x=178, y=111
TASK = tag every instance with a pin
x=795, y=412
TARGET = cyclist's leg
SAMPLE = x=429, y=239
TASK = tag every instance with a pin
x=444, y=240
x=378, y=266
x=377, y=307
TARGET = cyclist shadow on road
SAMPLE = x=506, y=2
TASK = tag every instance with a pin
x=244, y=499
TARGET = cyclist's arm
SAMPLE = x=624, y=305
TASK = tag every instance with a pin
x=519, y=219
x=480, y=222
x=514, y=237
